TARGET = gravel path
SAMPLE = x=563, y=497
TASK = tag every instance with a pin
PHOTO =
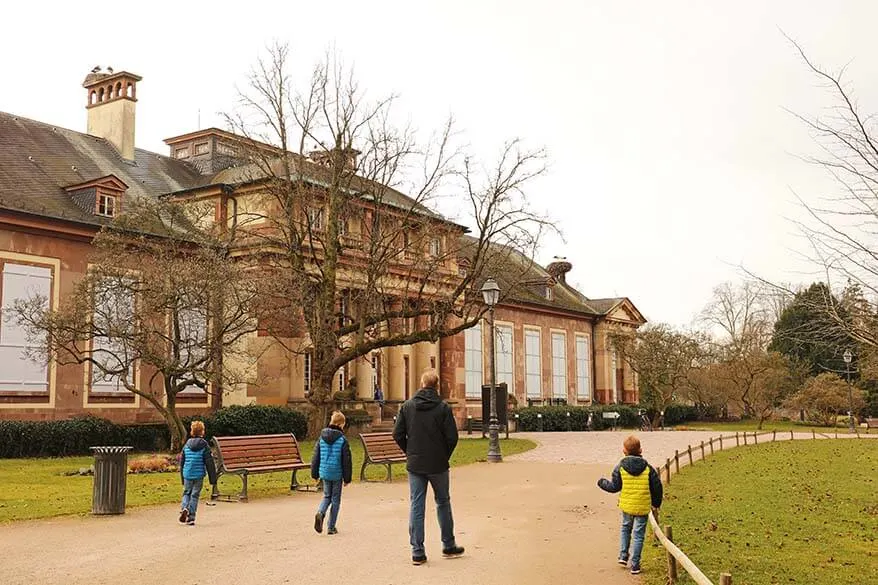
x=527, y=520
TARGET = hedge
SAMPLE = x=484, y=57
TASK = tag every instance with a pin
x=554, y=418
x=61, y=438
x=253, y=419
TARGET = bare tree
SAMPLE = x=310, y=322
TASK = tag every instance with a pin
x=159, y=311
x=663, y=359
x=840, y=227
x=339, y=208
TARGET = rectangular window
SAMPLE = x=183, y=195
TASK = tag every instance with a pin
x=342, y=226
x=193, y=343
x=473, y=361
x=341, y=380
x=107, y=205
x=532, y=363
x=559, y=365
x=19, y=372
x=113, y=310
x=306, y=374
x=504, y=357
x=182, y=153
x=315, y=218
x=583, y=364
x=435, y=247
x=202, y=148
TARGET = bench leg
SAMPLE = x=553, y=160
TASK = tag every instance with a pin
x=363, y=470
x=242, y=497
x=214, y=489
x=389, y=474
x=294, y=483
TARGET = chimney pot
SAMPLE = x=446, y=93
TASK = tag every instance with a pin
x=110, y=101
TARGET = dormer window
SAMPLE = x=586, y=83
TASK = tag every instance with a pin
x=548, y=293
x=182, y=152
x=106, y=205
x=201, y=148
x=100, y=197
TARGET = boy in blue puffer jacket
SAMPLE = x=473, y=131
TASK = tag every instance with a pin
x=331, y=463
x=196, y=461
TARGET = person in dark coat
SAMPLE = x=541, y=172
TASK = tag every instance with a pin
x=331, y=463
x=196, y=461
x=425, y=430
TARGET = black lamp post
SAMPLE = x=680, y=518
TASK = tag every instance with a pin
x=848, y=357
x=491, y=294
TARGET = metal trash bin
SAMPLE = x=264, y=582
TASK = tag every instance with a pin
x=110, y=480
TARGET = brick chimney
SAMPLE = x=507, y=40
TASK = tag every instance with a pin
x=111, y=98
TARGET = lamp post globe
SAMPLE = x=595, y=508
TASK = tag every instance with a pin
x=491, y=295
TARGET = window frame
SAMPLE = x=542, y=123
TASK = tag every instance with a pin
x=528, y=374
x=473, y=356
x=104, y=198
x=48, y=368
x=583, y=366
x=559, y=366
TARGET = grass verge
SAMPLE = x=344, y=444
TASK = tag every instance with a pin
x=790, y=512
x=38, y=488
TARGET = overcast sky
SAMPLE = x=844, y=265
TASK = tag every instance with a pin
x=673, y=160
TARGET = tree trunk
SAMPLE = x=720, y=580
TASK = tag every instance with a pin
x=321, y=401
x=175, y=424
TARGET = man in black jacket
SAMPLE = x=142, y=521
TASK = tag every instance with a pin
x=426, y=431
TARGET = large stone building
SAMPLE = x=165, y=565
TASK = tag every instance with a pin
x=58, y=187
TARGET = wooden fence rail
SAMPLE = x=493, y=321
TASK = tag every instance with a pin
x=665, y=537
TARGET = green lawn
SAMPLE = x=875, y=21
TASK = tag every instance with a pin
x=38, y=488
x=793, y=512
x=770, y=425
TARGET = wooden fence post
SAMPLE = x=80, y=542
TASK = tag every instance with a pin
x=755, y=438
x=677, y=460
x=791, y=435
x=737, y=439
x=672, y=562
x=813, y=434
x=773, y=436
x=711, y=445
x=720, y=442
x=689, y=450
x=745, y=438
x=725, y=579
x=702, y=449
x=668, y=468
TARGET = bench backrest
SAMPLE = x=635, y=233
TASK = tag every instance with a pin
x=381, y=447
x=258, y=450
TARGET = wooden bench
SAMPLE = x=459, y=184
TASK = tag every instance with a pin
x=380, y=449
x=871, y=423
x=251, y=454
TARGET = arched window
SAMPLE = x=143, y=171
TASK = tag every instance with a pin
x=92, y=96
x=101, y=95
x=128, y=90
x=119, y=89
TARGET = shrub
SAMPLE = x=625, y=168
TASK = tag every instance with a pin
x=680, y=413
x=153, y=464
x=253, y=419
x=59, y=438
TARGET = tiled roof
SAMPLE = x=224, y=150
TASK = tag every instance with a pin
x=37, y=161
x=519, y=278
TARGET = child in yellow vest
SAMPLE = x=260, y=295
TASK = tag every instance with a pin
x=641, y=490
